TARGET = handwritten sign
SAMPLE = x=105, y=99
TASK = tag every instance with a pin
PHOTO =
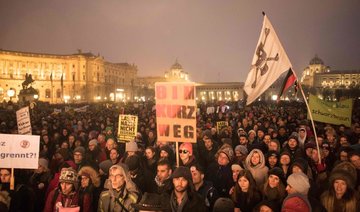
x=176, y=111
x=23, y=121
x=19, y=151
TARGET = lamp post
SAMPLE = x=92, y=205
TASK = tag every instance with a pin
x=11, y=93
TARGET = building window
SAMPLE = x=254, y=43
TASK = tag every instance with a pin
x=58, y=93
x=47, y=93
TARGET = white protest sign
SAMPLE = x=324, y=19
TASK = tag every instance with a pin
x=23, y=121
x=19, y=151
x=176, y=111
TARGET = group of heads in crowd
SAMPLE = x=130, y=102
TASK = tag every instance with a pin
x=266, y=158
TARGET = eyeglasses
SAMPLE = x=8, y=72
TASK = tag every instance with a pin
x=181, y=151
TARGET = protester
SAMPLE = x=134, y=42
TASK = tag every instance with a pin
x=274, y=188
x=219, y=172
x=163, y=177
x=297, y=188
x=66, y=195
x=39, y=182
x=89, y=188
x=186, y=155
x=121, y=193
x=341, y=195
x=246, y=194
x=205, y=188
x=255, y=163
x=21, y=198
x=184, y=198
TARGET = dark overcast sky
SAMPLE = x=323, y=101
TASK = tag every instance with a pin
x=213, y=40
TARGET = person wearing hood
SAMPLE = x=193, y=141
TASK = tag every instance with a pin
x=89, y=188
x=302, y=137
x=122, y=192
x=219, y=172
x=184, y=198
x=255, y=163
x=341, y=194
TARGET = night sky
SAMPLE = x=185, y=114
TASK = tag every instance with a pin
x=213, y=40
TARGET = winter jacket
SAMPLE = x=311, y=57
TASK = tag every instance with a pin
x=115, y=201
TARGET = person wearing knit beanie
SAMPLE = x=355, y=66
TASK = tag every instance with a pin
x=267, y=205
x=131, y=146
x=242, y=149
x=279, y=173
x=296, y=203
x=182, y=171
x=44, y=163
x=79, y=156
x=301, y=164
x=187, y=146
x=80, y=149
x=235, y=168
x=223, y=205
x=207, y=133
x=104, y=167
x=298, y=183
x=68, y=175
x=228, y=151
x=133, y=162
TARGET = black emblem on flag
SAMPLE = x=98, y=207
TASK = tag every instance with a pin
x=262, y=59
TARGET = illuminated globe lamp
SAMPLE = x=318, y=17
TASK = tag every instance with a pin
x=11, y=93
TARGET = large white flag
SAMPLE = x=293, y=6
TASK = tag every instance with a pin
x=269, y=62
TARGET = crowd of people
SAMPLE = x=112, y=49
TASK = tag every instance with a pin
x=266, y=158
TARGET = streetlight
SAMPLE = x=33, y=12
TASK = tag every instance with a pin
x=11, y=93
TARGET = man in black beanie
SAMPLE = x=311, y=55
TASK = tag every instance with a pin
x=183, y=197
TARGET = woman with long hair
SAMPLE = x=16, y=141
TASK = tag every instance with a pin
x=246, y=194
x=274, y=189
x=341, y=195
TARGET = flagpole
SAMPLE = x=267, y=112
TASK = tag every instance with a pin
x=311, y=118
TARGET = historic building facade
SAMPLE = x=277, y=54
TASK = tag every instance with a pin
x=319, y=79
x=76, y=77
